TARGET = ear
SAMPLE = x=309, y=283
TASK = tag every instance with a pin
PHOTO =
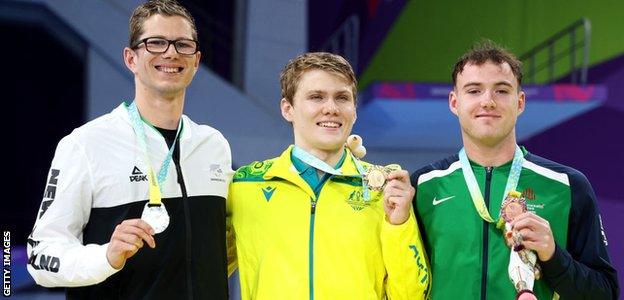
x=521, y=102
x=130, y=59
x=287, y=110
x=453, y=101
x=197, y=59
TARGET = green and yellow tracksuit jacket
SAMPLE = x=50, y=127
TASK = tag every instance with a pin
x=293, y=242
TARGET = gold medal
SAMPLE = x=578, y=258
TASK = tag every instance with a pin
x=377, y=176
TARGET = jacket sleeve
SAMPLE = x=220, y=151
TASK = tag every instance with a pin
x=56, y=255
x=407, y=267
x=583, y=270
x=230, y=238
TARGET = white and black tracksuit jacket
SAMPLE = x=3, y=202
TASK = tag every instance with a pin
x=97, y=180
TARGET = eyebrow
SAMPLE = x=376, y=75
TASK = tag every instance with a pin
x=474, y=83
x=343, y=92
x=165, y=38
x=505, y=83
x=316, y=92
x=471, y=84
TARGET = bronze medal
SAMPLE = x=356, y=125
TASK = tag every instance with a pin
x=513, y=206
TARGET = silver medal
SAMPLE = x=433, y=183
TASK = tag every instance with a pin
x=156, y=216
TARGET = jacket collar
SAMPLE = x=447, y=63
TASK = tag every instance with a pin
x=122, y=111
x=283, y=168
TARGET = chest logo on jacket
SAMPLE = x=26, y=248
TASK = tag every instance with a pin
x=268, y=192
x=137, y=175
x=357, y=202
x=216, y=172
x=529, y=195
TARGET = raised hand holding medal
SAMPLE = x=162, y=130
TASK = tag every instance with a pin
x=523, y=269
x=398, y=195
x=394, y=182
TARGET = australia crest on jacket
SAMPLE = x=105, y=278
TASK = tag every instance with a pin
x=356, y=200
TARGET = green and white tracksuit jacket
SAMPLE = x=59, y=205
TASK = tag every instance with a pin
x=469, y=257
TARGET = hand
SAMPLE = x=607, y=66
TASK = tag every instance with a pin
x=127, y=239
x=526, y=296
x=536, y=234
x=398, y=195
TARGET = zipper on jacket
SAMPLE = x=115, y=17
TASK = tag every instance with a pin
x=486, y=197
x=187, y=223
x=311, y=247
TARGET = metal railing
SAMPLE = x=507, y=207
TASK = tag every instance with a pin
x=345, y=41
x=578, y=71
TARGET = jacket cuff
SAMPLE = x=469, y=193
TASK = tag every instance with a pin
x=558, y=263
x=102, y=264
x=398, y=229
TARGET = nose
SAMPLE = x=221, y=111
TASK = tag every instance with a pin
x=330, y=107
x=488, y=101
x=171, y=51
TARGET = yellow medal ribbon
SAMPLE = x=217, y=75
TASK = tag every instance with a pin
x=154, y=189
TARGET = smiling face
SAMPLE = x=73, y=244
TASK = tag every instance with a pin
x=162, y=74
x=322, y=111
x=487, y=100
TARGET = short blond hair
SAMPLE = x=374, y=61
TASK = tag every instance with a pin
x=291, y=74
x=156, y=7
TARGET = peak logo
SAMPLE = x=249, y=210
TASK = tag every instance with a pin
x=137, y=175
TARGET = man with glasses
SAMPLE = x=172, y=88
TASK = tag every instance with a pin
x=143, y=174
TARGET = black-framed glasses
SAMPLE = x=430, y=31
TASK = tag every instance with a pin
x=159, y=45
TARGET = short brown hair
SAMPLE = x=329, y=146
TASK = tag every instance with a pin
x=153, y=7
x=291, y=74
x=484, y=51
